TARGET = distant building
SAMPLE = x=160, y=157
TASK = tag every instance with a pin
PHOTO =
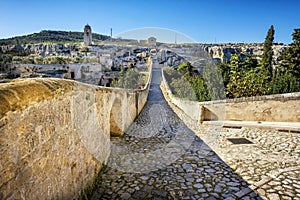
x=143, y=42
x=87, y=38
x=152, y=41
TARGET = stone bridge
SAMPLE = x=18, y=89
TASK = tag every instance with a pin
x=55, y=137
x=161, y=155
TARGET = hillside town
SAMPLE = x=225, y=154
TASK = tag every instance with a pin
x=100, y=63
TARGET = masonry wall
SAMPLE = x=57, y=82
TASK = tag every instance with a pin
x=55, y=134
x=53, y=140
x=123, y=111
x=127, y=104
x=270, y=108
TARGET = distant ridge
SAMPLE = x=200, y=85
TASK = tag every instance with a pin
x=51, y=36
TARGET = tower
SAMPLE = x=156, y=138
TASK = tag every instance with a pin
x=87, y=38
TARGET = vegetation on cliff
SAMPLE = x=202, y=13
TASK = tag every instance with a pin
x=249, y=78
x=241, y=77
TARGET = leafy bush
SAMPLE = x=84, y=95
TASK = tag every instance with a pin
x=130, y=79
x=190, y=87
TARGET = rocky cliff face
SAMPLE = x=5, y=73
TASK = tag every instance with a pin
x=224, y=52
x=40, y=49
x=169, y=58
x=175, y=54
x=170, y=55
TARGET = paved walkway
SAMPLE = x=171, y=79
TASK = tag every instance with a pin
x=270, y=164
x=159, y=157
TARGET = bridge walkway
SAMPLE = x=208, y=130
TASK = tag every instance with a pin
x=159, y=157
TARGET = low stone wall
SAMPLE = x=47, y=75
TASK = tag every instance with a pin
x=53, y=140
x=124, y=110
x=270, y=108
x=127, y=104
x=55, y=134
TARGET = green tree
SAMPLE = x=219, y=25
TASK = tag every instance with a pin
x=246, y=78
x=28, y=60
x=131, y=79
x=233, y=87
x=191, y=87
x=170, y=73
x=5, y=59
x=77, y=60
x=214, y=81
x=185, y=68
x=284, y=82
x=287, y=75
x=267, y=57
x=224, y=69
x=290, y=57
x=38, y=60
x=183, y=89
x=17, y=60
x=199, y=88
x=57, y=60
x=255, y=83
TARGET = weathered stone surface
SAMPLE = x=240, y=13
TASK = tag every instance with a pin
x=19, y=94
x=39, y=141
x=56, y=133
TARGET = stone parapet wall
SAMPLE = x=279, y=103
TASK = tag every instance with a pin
x=269, y=108
x=55, y=134
x=48, y=150
x=127, y=104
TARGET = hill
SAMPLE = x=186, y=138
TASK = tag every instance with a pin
x=51, y=36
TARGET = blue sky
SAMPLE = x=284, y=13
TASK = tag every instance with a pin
x=206, y=21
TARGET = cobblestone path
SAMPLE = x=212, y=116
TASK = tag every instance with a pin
x=159, y=157
x=271, y=164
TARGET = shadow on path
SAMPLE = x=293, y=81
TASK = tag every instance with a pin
x=159, y=157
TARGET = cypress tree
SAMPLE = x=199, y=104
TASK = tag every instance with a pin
x=267, y=57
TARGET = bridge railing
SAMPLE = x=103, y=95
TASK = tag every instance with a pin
x=269, y=108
